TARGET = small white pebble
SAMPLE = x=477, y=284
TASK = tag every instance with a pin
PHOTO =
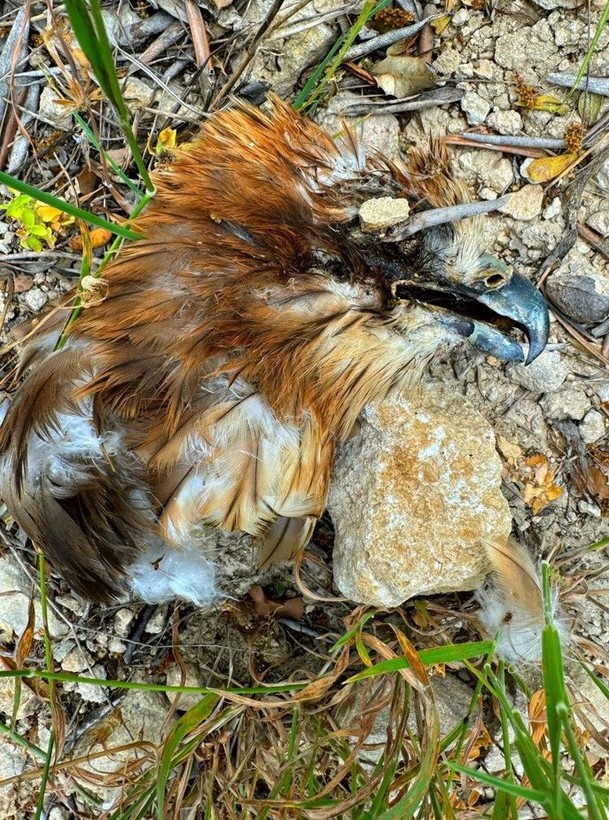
x=157, y=623
x=122, y=620
x=593, y=427
x=36, y=299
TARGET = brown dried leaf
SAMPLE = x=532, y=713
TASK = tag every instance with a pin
x=98, y=237
x=592, y=475
x=87, y=181
x=22, y=282
x=539, y=488
x=289, y=608
x=511, y=451
x=403, y=76
x=537, y=718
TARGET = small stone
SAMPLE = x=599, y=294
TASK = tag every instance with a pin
x=116, y=646
x=580, y=290
x=488, y=168
x=91, y=692
x=465, y=71
x=593, y=427
x=13, y=760
x=138, y=716
x=586, y=508
x=550, y=5
x=77, y=661
x=554, y=209
x=460, y=17
x=192, y=678
x=602, y=390
x=282, y=65
x=570, y=403
x=453, y=699
x=51, y=110
x=35, y=299
x=525, y=204
x=415, y=493
x=380, y=132
x=382, y=212
x=447, y=61
x=127, y=28
x=157, y=623
x=71, y=603
x=487, y=70
x=537, y=42
x=475, y=108
x=544, y=375
x=15, y=602
x=599, y=222
x=122, y=621
x=27, y=699
x=505, y=122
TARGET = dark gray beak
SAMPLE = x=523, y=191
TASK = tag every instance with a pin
x=518, y=300
x=485, y=337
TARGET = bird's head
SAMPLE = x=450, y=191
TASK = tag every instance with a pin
x=448, y=270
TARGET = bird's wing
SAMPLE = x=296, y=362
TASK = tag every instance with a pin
x=233, y=464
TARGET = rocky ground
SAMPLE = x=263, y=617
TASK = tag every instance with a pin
x=549, y=420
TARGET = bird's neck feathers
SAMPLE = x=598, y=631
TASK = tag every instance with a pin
x=248, y=267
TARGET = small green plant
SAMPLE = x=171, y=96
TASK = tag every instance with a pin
x=37, y=223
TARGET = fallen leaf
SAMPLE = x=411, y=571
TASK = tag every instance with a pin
x=546, y=169
x=595, y=476
x=87, y=181
x=391, y=19
x=98, y=236
x=22, y=282
x=403, y=76
x=288, y=608
x=539, y=488
x=538, y=719
x=550, y=103
x=440, y=24
x=509, y=450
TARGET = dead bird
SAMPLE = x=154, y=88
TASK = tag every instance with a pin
x=236, y=345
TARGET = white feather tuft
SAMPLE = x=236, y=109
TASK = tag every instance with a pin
x=165, y=574
x=512, y=606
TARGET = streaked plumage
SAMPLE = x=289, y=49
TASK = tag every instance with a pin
x=236, y=346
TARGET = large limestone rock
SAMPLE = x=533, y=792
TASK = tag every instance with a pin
x=415, y=492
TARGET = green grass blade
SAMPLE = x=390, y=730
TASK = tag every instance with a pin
x=596, y=680
x=328, y=67
x=40, y=812
x=67, y=207
x=181, y=728
x=111, y=162
x=553, y=682
x=88, y=25
x=507, y=751
x=534, y=795
x=600, y=27
x=452, y=653
x=594, y=802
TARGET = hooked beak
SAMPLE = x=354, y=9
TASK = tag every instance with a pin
x=506, y=294
x=514, y=297
x=485, y=337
